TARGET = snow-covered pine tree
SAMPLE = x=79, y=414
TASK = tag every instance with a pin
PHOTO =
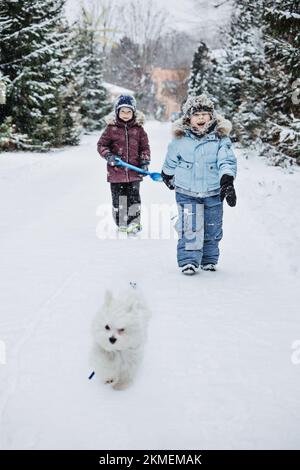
x=257, y=83
x=66, y=122
x=244, y=78
x=146, y=94
x=282, y=76
x=9, y=138
x=198, y=77
x=93, y=95
x=215, y=76
x=282, y=42
x=208, y=75
x=33, y=47
x=126, y=64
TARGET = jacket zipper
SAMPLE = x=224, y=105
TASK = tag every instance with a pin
x=127, y=151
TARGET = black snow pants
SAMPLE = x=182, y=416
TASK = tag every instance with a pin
x=126, y=203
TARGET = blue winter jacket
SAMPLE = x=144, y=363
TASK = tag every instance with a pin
x=198, y=163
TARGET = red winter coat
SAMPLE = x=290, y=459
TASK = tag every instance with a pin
x=127, y=140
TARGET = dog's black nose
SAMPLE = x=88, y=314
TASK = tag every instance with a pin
x=112, y=339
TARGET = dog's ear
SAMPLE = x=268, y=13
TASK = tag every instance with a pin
x=108, y=297
x=134, y=302
x=130, y=303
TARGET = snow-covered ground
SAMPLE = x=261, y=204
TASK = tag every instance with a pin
x=219, y=371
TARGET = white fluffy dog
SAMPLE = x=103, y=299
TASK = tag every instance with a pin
x=119, y=331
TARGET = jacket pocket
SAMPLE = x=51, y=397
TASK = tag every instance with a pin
x=183, y=173
x=212, y=173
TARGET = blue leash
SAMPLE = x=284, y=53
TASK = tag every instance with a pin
x=154, y=176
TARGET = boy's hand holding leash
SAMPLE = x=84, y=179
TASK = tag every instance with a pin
x=227, y=190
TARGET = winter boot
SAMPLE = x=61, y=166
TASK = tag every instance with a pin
x=134, y=228
x=122, y=228
x=208, y=267
x=189, y=269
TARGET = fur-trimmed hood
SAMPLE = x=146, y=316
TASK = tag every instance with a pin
x=140, y=119
x=223, y=127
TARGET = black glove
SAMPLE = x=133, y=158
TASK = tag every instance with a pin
x=111, y=159
x=227, y=190
x=144, y=165
x=168, y=180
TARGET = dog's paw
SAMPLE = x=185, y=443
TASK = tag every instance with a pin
x=120, y=385
x=110, y=381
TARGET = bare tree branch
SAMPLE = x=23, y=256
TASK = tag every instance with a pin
x=144, y=23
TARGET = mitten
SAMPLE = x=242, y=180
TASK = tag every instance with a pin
x=168, y=180
x=144, y=165
x=227, y=190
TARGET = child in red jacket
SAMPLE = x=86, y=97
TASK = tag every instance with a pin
x=125, y=137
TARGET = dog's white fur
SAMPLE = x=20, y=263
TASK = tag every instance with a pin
x=123, y=317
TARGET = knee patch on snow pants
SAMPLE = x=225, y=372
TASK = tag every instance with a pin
x=190, y=225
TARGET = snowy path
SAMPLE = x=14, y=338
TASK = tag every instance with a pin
x=217, y=371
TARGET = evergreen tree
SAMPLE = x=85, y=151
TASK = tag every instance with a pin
x=34, y=45
x=66, y=122
x=244, y=80
x=93, y=95
x=282, y=46
x=282, y=42
x=126, y=64
x=215, y=78
x=233, y=78
x=257, y=82
x=198, y=78
x=211, y=76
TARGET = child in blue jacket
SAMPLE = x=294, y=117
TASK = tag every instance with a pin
x=201, y=166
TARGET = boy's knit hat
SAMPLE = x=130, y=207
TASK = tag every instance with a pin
x=123, y=101
x=197, y=104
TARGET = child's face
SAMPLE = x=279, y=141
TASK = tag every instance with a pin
x=198, y=120
x=125, y=114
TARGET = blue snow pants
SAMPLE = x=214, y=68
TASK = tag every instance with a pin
x=199, y=229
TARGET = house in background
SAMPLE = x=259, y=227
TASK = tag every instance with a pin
x=171, y=89
x=114, y=91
